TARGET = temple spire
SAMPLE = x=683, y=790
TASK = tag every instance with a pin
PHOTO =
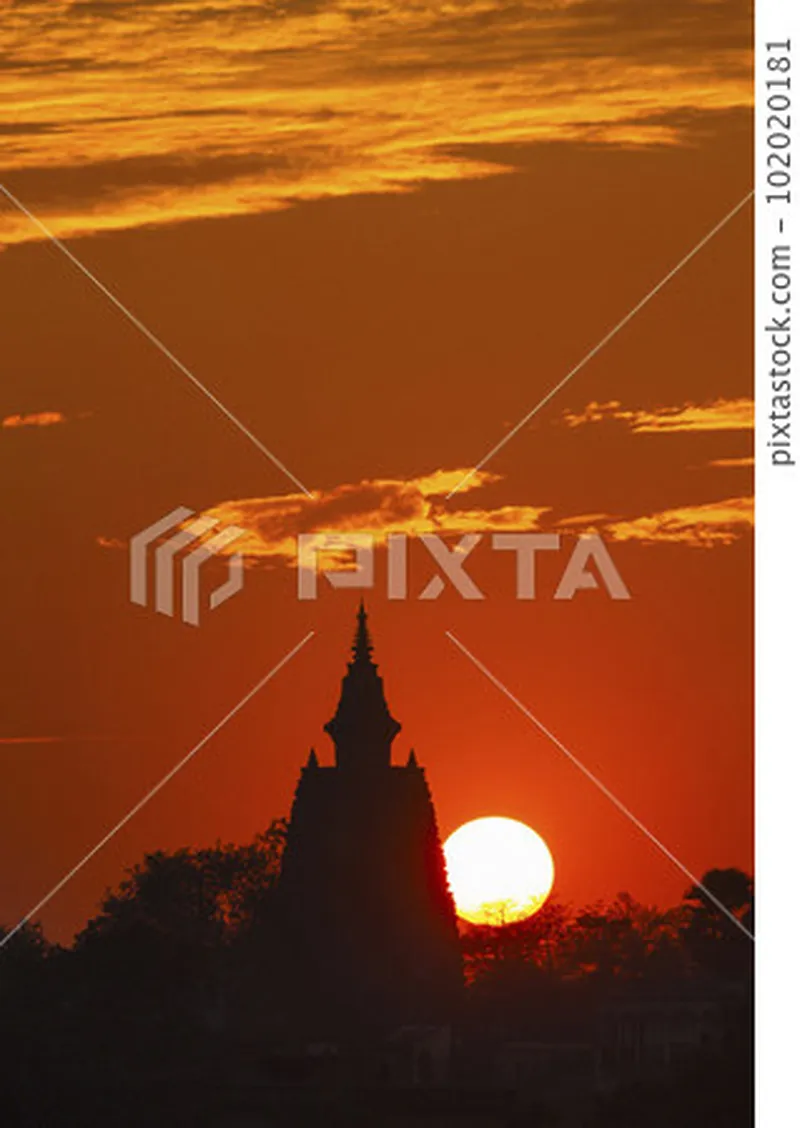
x=362, y=643
x=362, y=729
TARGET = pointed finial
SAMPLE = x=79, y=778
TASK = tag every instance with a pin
x=362, y=728
x=362, y=643
x=412, y=760
x=312, y=761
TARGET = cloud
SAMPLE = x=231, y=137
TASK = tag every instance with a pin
x=36, y=419
x=384, y=506
x=684, y=126
x=378, y=506
x=292, y=100
x=718, y=415
x=14, y=128
x=732, y=463
x=708, y=525
x=81, y=184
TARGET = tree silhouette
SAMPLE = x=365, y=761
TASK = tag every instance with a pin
x=536, y=941
x=625, y=940
x=159, y=954
x=712, y=939
x=205, y=896
x=182, y=977
x=605, y=941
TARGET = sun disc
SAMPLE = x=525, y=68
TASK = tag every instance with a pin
x=500, y=871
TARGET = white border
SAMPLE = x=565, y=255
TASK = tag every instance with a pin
x=777, y=557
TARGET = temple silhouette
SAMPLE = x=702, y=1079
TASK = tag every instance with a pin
x=367, y=911
x=313, y=979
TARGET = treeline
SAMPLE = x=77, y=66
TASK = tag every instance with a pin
x=182, y=973
x=188, y=905
x=624, y=940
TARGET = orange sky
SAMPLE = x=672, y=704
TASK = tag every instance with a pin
x=380, y=235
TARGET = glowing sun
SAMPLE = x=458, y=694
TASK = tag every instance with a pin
x=500, y=871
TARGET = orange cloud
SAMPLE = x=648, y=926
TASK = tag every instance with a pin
x=730, y=463
x=383, y=506
x=136, y=112
x=697, y=526
x=36, y=419
x=719, y=415
x=379, y=506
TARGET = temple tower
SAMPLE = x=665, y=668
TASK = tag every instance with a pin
x=363, y=889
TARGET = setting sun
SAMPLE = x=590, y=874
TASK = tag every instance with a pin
x=500, y=871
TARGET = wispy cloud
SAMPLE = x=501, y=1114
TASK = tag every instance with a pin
x=384, y=506
x=378, y=506
x=35, y=419
x=708, y=525
x=153, y=111
x=718, y=415
x=733, y=463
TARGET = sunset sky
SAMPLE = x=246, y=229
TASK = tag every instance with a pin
x=379, y=234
